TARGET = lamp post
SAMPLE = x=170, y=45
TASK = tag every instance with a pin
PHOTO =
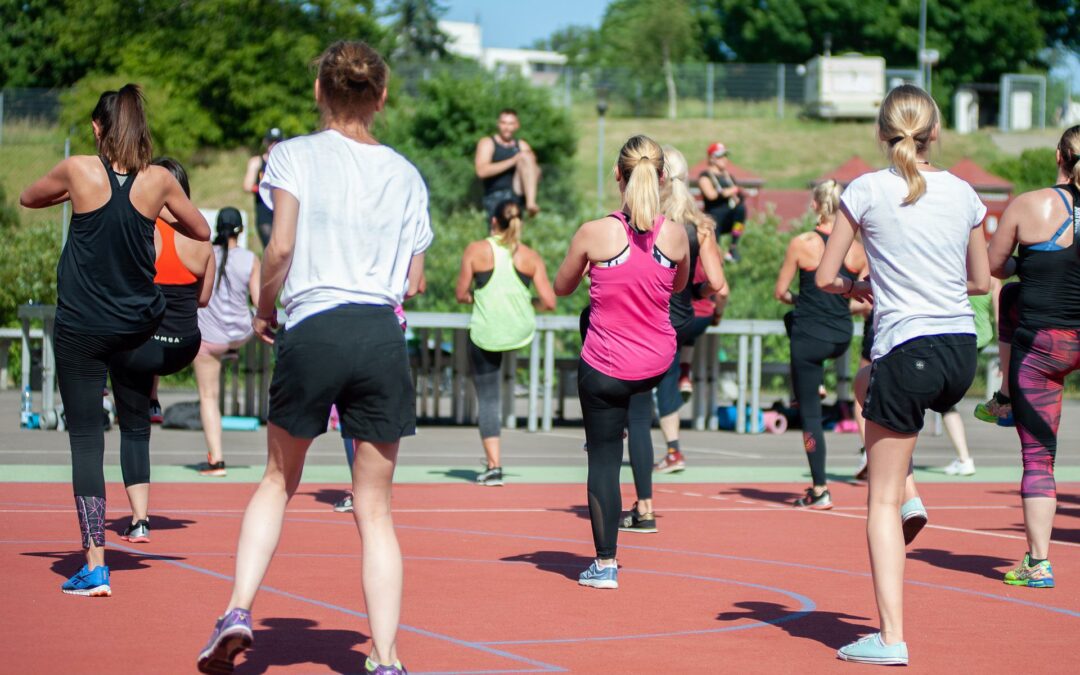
x=922, y=43
x=601, y=111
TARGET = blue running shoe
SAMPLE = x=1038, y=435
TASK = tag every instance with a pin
x=600, y=577
x=379, y=669
x=872, y=649
x=914, y=518
x=232, y=635
x=90, y=583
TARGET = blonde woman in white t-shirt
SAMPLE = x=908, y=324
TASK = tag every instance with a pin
x=920, y=228
x=350, y=228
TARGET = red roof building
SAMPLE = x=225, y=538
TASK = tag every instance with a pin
x=994, y=191
x=846, y=172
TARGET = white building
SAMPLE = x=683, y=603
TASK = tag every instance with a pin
x=466, y=40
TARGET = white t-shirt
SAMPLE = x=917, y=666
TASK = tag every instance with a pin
x=363, y=216
x=917, y=254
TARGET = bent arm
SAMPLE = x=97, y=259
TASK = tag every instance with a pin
x=788, y=269
x=206, y=289
x=277, y=258
x=189, y=221
x=485, y=168
x=711, y=261
x=417, y=283
x=255, y=281
x=252, y=174
x=573, y=265
x=1003, y=243
x=544, y=291
x=708, y=190
x=49, y=190
x=465, y=278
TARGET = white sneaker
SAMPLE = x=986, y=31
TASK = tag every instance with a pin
x=959, y=468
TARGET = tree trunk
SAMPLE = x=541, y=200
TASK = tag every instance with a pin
x=669, y=80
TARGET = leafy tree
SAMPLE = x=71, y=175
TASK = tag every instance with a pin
x=415, y=31
x=581, y=45
x=639, y=34
x=29, y=268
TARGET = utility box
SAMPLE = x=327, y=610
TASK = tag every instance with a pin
x=965, y=110
x=845, y=87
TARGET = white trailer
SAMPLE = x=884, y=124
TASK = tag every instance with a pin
x=845, y=87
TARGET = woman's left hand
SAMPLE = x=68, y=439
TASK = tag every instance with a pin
x=265, y=328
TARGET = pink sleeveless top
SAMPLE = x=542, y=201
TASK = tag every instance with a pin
x=630, y=335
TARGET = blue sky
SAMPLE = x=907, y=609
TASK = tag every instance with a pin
x=517, y=23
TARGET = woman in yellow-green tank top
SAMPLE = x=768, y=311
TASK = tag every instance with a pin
x=496, y=275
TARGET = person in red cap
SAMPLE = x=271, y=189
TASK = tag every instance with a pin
x=724, y=199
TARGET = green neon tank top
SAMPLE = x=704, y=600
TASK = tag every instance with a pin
x=503, y=318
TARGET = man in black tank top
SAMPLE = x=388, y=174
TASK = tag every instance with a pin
x=507, y=167
x=264, y=215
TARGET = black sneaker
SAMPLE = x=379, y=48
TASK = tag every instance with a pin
x=638, y=522
x=821, y=502
x=492, y=477
x=137, y=532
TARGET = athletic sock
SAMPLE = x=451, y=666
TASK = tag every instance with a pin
x=684, y=370
x=672, y=447
x=1035, y=561
x=1001, y=398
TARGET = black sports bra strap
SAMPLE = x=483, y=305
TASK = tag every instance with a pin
x=1074, y=192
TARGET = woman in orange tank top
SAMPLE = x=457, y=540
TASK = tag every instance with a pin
x=185, y=275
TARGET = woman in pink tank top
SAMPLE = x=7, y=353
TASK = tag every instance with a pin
x=634, y=263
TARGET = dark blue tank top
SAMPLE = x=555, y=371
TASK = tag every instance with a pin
x=105, y=277
x=825, y=316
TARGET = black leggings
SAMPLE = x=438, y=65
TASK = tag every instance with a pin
x=82, y=362
x=808, y=356
x=132, y=374
x=605, y=402
x=486, y=367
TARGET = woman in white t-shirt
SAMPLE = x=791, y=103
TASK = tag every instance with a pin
x=350, y=227
x=920, y=227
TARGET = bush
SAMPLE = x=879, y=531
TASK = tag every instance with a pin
x=28, y=271
x=439, y=126
x=1033, y=169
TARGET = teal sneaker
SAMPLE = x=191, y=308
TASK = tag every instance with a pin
x=90, y=583
x=600, y=577
x=914, y=518
x=872, y=649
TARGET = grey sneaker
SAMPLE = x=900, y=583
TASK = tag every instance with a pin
x=821, y=502
x=914, y=518
x=232, y=635
x=634, y=521
x=492, y=477
x=137, y=532
x=345, y=504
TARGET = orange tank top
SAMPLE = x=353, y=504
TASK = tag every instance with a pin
x=170, y=269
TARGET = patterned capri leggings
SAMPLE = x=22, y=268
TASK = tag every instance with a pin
x=1040, y=361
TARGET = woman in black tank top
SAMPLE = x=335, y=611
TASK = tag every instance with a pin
x=106, y=299
x=820, y=328
x=1046, y=343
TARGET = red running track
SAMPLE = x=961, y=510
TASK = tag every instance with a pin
x=735, y=581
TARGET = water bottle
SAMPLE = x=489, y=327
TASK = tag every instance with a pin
x=27, y=408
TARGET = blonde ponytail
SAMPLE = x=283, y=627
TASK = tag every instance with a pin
x=906, y=123
x=641, y=163
x=508, y=224
x=826, y=200
x=676, y=202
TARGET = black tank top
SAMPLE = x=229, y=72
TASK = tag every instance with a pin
x=263, y=213
x=181, y=310
x=1050, y=284
x=105, y=277
x=680, y=307
x=719, y=183
x=504, y=180
x=821, y=315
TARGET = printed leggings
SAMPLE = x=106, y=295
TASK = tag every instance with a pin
x=1040, y=361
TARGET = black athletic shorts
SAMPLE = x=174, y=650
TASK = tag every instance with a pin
x=928, y=372
x=352, y=356
x=867, y=337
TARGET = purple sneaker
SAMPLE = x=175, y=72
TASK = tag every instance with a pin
x=377, y=669
x=232, y=635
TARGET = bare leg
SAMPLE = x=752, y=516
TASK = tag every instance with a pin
x=526, y=181
x=1039, y=524
x=889, y=454
x=139, y=498
x=382, y=569
x=265, y=513
x=954, y=426
x=207, y=375
x=492, y=451
x=95, y=556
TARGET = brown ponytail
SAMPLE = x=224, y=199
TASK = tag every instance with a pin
x=508, y=224
x=352, y=77
x=1069, y=148
x=906, y=121
x=641, y=163
x=125, y=134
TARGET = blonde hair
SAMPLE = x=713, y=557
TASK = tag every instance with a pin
x=826, y=200
x=677, y=203
x=907, y=119
x=641, y=163
x=1069, y=147
x=508, y=224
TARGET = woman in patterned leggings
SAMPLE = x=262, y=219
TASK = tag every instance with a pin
x=1046, y=343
